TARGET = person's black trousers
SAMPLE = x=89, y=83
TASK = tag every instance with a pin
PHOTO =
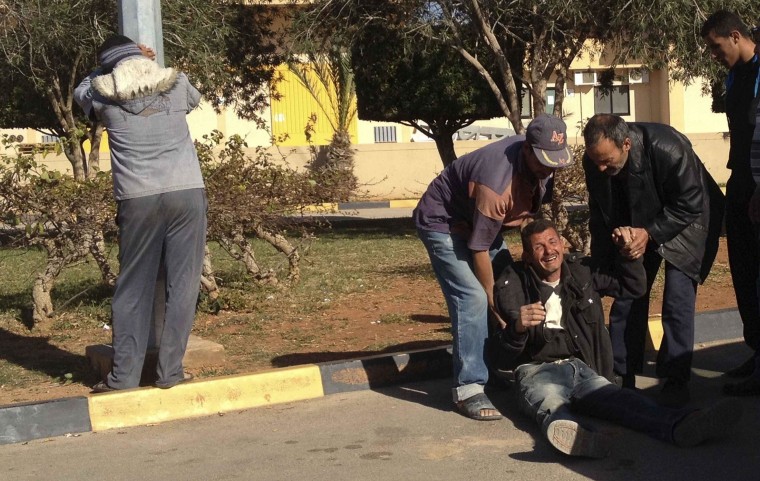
x=629, y=324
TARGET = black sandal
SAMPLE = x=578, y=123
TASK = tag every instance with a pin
x=473, y=406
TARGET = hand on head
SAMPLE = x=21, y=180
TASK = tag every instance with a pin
x=147, y=51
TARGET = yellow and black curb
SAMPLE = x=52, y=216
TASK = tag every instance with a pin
x=142, y=406
x=347, y=206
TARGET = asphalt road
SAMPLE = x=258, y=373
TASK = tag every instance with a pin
x=403, y=432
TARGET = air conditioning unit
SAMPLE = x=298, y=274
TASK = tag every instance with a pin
x=585, y=78
x=638, y=76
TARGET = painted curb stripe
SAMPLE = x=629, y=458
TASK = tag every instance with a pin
x=655, y=333
x=28, y=421
x=326, y=207
x=24, y=422
x=383, y=204
x=383, y=370
x=402, y=203
x=363, y=205
x=134, y=407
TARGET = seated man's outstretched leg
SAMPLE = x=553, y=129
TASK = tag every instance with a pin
x=544, y=395
x=596, y=396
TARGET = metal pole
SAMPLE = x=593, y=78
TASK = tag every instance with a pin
x=140, y=20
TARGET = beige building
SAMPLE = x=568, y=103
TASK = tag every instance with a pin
x=394, y=162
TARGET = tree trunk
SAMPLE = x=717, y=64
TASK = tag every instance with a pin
x=97, y=247
x=282, y=244
x=445, y=145
x=44, y=282
x=538, y=95
x=240, y=250
x=75, y=154
x=559, y=94
x=208, y=281
x=43, y=303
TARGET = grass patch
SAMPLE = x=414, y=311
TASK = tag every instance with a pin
x=366, y=287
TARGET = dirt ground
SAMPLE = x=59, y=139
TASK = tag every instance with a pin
x=408, y=313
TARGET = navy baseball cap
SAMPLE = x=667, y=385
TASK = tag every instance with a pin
x=547, y=135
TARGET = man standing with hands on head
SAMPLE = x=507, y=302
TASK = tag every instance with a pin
x=651, y=196
x=460, y=219
x=731, y=44
x=161, y=204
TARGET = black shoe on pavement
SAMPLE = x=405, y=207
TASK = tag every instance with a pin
x=674, y=394
x=747, y=387
x=709, y=423
x=102, y=386
x=743, y=370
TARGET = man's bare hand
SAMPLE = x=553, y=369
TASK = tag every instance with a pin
x=632, y=241
x=530, y=315
x=147, y=51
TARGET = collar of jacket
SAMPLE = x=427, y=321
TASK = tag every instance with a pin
x=134, y=78
x=635, y=164
x=568, y=282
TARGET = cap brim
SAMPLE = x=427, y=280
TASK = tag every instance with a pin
x=554, y=158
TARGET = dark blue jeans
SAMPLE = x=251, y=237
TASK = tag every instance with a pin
x=468, y=306
x=563, y=389
x=629, y=324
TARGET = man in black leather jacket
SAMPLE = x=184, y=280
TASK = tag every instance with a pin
x=555, y=332
x=645, y=180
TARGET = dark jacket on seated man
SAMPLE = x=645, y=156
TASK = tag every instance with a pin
x=557, y=343
x=584, y=335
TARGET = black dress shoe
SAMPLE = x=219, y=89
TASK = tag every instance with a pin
x=743, y=370
x=102, y=386
x=747, y=387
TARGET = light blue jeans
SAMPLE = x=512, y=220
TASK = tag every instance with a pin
x=563, y=389
x=468, y=306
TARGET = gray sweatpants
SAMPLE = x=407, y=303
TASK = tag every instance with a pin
x=171, y=226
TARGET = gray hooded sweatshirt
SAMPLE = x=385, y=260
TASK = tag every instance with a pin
x=143, y=108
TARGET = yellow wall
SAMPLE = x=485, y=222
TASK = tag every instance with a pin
x=290, y=113
x=403, y=170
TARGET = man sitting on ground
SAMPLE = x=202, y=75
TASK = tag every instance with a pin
x=555, y=331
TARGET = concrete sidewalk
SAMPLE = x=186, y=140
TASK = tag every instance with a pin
x=404, y=432
x=144, y=406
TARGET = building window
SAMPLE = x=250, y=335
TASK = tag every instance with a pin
x=614, y=101
x=385, y=134
x=526, y=111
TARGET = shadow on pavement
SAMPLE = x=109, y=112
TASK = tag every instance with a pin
x=635, y=456
x=37, y=354
x=347, y=356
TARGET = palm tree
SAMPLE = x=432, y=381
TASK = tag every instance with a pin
x=327, y=76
